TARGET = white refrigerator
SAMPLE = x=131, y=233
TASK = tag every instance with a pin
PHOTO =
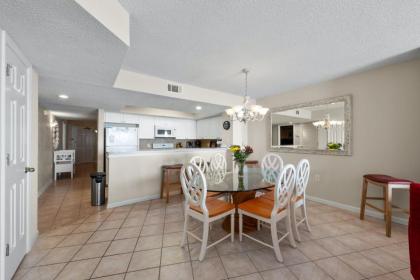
x=121, y=139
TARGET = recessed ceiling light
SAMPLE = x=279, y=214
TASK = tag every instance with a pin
x=63, y=96
x=198, y=107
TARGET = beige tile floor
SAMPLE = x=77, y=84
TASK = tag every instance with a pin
x=66, y=200
x=141, y=241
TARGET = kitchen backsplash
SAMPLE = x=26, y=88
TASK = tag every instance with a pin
x=147, y=143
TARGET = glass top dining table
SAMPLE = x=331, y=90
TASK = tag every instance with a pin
x=251, y=180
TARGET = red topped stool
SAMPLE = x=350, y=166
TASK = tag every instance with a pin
x=388, y=184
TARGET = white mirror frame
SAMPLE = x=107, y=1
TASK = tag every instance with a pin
x=348, y=136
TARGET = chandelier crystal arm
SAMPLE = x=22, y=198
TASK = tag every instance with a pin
x=247, y=111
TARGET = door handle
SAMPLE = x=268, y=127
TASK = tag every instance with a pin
x=29, y=169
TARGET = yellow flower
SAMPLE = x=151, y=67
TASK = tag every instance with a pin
x=234, y=148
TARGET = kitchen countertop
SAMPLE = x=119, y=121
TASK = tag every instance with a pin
x=163, y=151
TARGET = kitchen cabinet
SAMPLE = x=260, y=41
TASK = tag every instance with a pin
x=122, y=118
x=184, y=128
x=114, y=117
x=146, y=127
x=210, y=128
x=131, y=118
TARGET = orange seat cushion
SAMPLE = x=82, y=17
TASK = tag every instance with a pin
x=259, y=206
x=270, y=196
x=211, y=194
x=215, y=207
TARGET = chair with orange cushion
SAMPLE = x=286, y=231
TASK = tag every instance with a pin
x=299, y=198
x=202, y=164
x=272, y=211
x=271, y=167
x=197, y=206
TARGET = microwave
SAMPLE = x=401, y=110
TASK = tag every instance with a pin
x=163, y=132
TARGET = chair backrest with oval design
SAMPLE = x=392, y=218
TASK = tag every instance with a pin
x=284, y=188
x=302, y=176
x=218, y=167
x=194, y=186
x=200, y=163
x=271, y=167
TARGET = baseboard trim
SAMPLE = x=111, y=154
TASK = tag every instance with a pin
x=31, y=241
x=354, y=209
x=44, y=188
x=133, y=200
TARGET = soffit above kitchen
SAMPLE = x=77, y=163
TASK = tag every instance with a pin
x=115, y=100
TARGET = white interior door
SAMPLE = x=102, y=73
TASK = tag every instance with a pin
x=16, y=150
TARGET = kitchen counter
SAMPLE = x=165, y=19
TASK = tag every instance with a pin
x=136, y=176
x=165, y=151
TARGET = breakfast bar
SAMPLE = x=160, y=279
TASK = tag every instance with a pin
x=136, y=176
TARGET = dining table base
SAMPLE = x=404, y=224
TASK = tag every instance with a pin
x=249, y=224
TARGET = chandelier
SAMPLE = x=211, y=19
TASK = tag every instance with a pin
x=326, y=123
x=248, y=111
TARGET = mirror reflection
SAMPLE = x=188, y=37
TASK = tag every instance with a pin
x=320, y=127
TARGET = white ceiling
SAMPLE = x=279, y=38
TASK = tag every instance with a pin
x=286, y=44
x=62, y=40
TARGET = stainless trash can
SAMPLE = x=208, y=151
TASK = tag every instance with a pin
x=97, y=193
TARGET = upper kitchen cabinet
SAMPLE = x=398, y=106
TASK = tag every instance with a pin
x=146, y=127
x=132, y=119
x=185, y=129
x=210, y=128
x=114, y=117
x=111, y=117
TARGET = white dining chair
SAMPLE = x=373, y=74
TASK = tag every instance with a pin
x=270, y=212
x=197, y=206
x=200, y=163
x=218, y=167
x=271, y=167
x=299, y=198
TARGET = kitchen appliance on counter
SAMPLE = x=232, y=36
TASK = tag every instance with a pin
x=163, y=146
x=193, y=144
x=121, y=138
x=164, y=132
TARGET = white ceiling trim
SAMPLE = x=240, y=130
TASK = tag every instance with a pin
x=158, y=112
x=111, y=14
x=134, y=81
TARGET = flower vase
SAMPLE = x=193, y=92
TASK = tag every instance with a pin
x=240, y=165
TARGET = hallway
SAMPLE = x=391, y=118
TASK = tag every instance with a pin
x=66, y=200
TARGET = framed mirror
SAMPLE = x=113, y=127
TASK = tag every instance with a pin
x=319, y=127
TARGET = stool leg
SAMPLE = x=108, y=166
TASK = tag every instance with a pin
x=388, y=210
x=363, y=202
x=162, y=184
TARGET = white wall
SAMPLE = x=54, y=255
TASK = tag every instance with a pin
x=100, y=141
x=386, y=131
x=45, y=150
x=33, y=198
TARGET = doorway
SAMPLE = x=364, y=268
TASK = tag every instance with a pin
x=15, y=149
x=81, y=136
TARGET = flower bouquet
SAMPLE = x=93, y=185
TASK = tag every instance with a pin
x=240, y=154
